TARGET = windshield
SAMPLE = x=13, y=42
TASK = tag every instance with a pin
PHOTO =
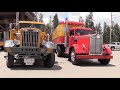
x=26, y=25
x=83, y=32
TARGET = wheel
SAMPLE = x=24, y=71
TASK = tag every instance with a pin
x=59, y=54
x=49, y=62
x=104, y=61
x=72, y=57
x=112, y=48
x=10, y=61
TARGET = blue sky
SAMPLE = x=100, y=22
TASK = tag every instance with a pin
x=74, y=16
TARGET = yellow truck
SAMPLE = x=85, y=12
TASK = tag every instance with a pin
x=28, y=44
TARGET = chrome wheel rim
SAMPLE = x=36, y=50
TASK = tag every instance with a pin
x=72, y=56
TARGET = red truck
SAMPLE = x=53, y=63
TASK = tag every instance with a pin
x=78, y=42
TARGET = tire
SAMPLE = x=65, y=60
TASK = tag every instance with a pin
x=10, y=61
x=72, y=57
x=112, y=48
x=104, y=61
x=59, y=50
x=49, y=62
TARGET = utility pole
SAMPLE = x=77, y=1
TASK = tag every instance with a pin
x=111, y=27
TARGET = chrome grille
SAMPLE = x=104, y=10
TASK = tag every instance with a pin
x=96, y=44
x=29, y=38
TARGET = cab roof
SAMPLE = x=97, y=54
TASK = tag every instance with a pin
x=72, y=23
x=32, y=22
x=83, y=28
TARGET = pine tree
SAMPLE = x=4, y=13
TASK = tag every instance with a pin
x=98, y=28
x=49, y=28
x=106, y=33
x=81, y=19
x=116, y=33
x=40, y=17
x=55, y=21
x=89, y=21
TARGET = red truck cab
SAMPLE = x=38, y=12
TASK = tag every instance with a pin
x=84, y=44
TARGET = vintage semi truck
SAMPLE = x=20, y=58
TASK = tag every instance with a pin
x=78, y=42
x=28, y=44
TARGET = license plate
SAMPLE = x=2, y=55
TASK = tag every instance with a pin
x=29, y=61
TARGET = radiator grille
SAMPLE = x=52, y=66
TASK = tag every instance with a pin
x=96, y=44
x=29, y=38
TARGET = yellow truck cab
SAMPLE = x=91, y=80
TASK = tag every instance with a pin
x=28, y=44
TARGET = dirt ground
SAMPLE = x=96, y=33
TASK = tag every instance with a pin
x=64, y=69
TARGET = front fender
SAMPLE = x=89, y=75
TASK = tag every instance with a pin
x=9, y=43
x=107, y=51
x=76, y=48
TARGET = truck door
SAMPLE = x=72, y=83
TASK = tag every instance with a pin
x=71, y=37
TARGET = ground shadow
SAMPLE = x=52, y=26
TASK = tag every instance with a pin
x=93, y=63
x=1, y=50
x=35, y=67
x=116, y=50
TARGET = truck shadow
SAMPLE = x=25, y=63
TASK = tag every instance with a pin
x=36, y=67
x=116, y=50
x=93, y=63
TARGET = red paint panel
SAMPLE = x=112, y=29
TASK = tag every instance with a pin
x=83, y=28
x=84, y=40
x=94, y=56
x=58, y=40
x=72, y=23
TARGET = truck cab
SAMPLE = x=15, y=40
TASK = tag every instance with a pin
x=83, y=43
x=28, y=44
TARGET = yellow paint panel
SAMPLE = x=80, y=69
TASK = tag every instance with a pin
x=1, y=43
x=59, y=30
x=12, y=36
x=32, y=22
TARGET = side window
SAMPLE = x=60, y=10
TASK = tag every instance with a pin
x=71, y=32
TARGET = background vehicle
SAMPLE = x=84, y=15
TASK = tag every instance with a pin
x=114, y=45
x=27, y=43
x=78, y=42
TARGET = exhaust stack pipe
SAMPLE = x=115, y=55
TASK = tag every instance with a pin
x=17, y=18
x=66, y=30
